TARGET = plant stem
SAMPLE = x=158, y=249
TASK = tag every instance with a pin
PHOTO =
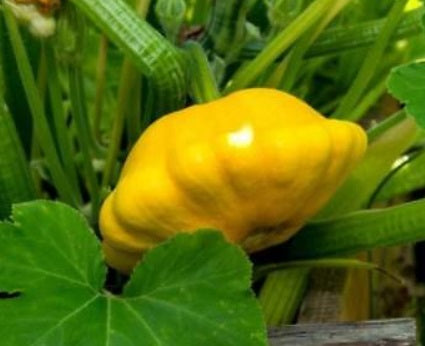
x=203, y=83
x=37, y=111
x=329, y=106
x=142, y=8
x=295, y=58
x=100, y=87
x=261, y=271
x=62, y=134
x=378, y=160
x=79, y=113
x=134, y=111
x=371, y=62
x=408, y=160
x=134, y=107
x=359, y=231
x=71, y=51
x=16, y=183
x=144, y=46
x=405, y=178
x=227, y=31
x=340, y=39
x=368, y=100
x=281, y=295
x=359, y=35
x=376, y=131
x=128, y=81
x=286, y=283
x=41, y=80
x=198, y=11
x=251, y=71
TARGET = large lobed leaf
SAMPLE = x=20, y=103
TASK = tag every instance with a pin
x=192, y=290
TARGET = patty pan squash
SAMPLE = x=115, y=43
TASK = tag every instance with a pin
x=255, y=164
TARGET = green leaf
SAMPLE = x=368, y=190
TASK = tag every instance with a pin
x=54, y=261
x=407, y=84
x=191, y=290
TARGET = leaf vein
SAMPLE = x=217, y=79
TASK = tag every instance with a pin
x=190, y=313
x=65, y=318
x=55, y=275
x=142, y=321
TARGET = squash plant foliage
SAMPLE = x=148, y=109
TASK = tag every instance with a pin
x=80, y=80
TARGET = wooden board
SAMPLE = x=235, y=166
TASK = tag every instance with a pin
x=392, y=332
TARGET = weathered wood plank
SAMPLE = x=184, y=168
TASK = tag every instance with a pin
x=392, y=332
x=323, y=301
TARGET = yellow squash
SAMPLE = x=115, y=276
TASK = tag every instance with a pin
x=255, y=164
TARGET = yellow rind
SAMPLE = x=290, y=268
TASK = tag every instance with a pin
x=256, y=164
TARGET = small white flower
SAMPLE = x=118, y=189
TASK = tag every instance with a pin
x=38, y=24
x=42, y=26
